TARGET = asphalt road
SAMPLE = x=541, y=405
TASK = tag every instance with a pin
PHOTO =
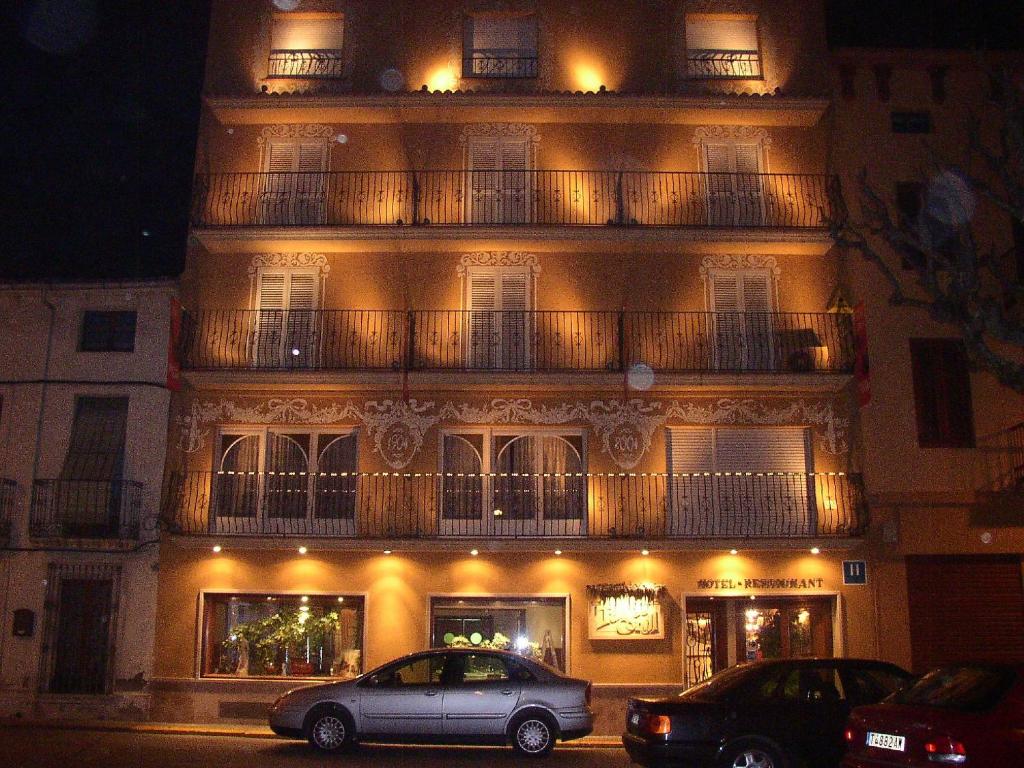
x=46, y=748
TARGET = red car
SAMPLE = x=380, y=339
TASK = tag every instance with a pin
x=969, y=714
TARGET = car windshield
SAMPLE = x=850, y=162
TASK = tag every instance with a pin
x=961, y=688
x=719, y=683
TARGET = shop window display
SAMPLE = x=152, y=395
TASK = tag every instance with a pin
x=282, y=635
x=532, y=627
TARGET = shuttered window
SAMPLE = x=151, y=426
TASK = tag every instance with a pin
x=305, y=33
x=942, y=393
x=500, y=46
x=499, y=180
x=295, y=156
x=97, y=444
x=293, y=187
x=499, y=303
x=741, y=301
x=734, y=183
x=286, y=316
x=722, y=46
x=737, y=449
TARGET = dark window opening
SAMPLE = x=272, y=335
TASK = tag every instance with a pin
x=911, y=122
x=942, y=393
x=108, y=331
x=909, y=202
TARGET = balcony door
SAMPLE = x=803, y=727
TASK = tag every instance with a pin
x=294, y=178
x=286, y=329
x=743, y=337
x=507, y=484
x=734, y=184
x=740, y=482
x=499, y=303
x=499, y=183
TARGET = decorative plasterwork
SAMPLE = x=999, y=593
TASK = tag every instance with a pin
x=521, y=131
x=296, y=131
x=739, y=261
x=499, y=259
x=742, y=133
x=624, y=429
x=289, y=261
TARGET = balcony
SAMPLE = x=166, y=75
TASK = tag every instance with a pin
x=85, y=509
x=708, y=64
x=487, y=64
x=640, y=506
x=469, y=199
x=537, y=341
x=306, y=64
x=8, y=499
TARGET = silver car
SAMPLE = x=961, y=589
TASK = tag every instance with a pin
x=451, y=695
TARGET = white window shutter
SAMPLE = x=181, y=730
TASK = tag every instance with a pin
x=748, y=158
x=271, y=291
x=281, y=157
x=725, y=295
x=302, y=293
x=483, y=155
x=690, y=449
x=305, y=34
x=515, y=291
x=756, y=292
x=482, y=293
x=312, y=157
x=716, y=158
x=721, y=34
x=770, y=449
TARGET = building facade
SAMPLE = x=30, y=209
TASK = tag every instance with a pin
x=942, y=442
x=83, y=403
x=512, y=324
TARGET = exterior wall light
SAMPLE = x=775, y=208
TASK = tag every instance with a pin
x=303, y=550
x=734, y=551
x=645, y=552
x=474, y=552
x=387, y=551
x=815, y=551
x=216, y=548
x=558, y=552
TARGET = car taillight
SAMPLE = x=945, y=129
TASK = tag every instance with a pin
x=946, y=751
x=658, y=725
x=586, y=693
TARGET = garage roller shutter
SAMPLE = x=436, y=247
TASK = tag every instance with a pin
x=965, y=608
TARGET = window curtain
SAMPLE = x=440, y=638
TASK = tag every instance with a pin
x=287, y=481
x=334, y=482
x=462, y=496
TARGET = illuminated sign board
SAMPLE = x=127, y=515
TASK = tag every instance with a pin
x=625, y=617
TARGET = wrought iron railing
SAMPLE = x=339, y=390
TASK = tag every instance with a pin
x=85, y=509
x=512, y=198
x=1002, y=460
x=485, y=64
x=311, y=64
x=371, y=339
x=8, y=499
x=645, y=506
x=707, y=64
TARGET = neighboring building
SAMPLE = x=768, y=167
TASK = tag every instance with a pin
x=83, y=404
x=509, y=322
x=942, y=445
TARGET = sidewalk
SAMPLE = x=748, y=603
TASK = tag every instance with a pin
x=210, y=729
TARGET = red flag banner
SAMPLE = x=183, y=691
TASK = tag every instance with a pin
x=173, y=341
x=861, y=366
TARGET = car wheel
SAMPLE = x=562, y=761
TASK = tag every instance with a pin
x=330, y=729
x=754, y=755
x=533, y=736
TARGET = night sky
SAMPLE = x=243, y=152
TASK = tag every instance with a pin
x=103, y=97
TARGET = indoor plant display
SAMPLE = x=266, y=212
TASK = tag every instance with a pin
x=289, y=641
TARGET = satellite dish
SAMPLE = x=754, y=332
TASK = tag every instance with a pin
x=391, y=80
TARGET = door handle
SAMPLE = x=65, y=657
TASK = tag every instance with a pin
x=507, y=691
x=431, y=693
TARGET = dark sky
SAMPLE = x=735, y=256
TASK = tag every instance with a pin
x=103, y=101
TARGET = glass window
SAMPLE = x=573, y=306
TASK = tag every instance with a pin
x=532, y=627
x=942, y=393
x=501, y=46
x=478, y=667
x=259, y=635
x=307, y=46
x=867, y=686
x=423, y=671
x=965, y=689
x=108, y=331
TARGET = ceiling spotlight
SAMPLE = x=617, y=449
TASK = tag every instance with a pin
x=341, y=599
x=387, y=551
x=645, y=552
x=734, y=551
x=474, y=552
x=815, y=551
x=216, y=548
x=305, y=598
x=303, y=550
x=558, y=552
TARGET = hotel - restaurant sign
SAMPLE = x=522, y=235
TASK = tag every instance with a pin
x=625, y=612
x=762, y=583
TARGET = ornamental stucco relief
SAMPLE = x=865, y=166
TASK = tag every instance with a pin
x=624, y=430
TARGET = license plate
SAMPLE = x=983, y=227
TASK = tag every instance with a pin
x=887, y=741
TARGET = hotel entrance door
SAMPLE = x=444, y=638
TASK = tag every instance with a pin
x=722, y=631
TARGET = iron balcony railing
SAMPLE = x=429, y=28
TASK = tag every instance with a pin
x=309, y=64
x=708, y=64
x=512, y=198
x=646, y=506
x=8, y=499
x=1002, y=460
x=85, y=509
x=556, y=340
x=499, y=65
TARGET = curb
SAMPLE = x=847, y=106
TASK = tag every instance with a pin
x=187, y=729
